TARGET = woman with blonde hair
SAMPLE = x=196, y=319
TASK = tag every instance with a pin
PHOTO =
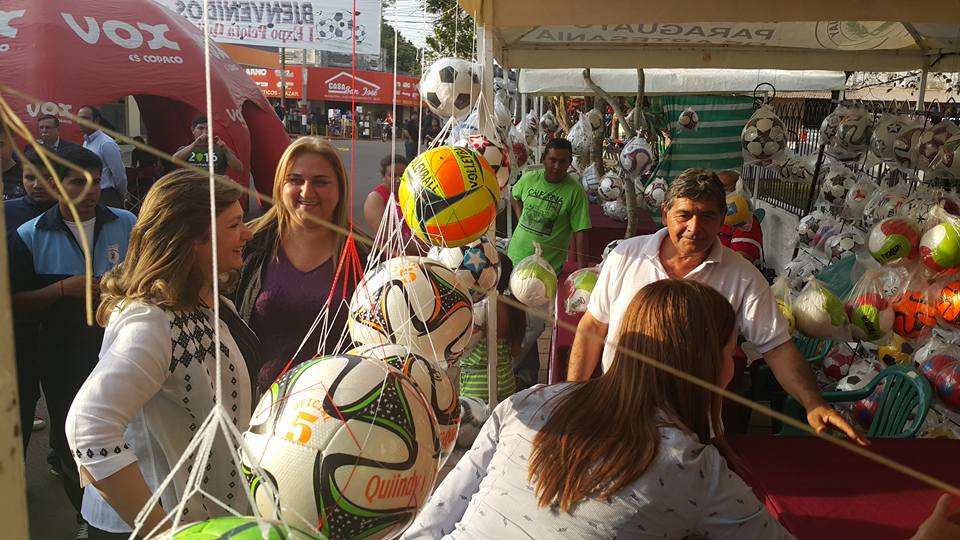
x=636, y=452
x=155, y=382
x=291, y=265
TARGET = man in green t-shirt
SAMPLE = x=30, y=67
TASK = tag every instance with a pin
x=552, y=207
x=196, y=152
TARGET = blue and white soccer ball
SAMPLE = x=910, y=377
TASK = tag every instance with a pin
x=476, y=265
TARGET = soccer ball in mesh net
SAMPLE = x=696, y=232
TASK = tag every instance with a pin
x=611, y=187
x=689, y=119
x=931, y=140
x=495, y=155
x=655, y=193
x=351, y=445
x=450, y=87
x=906, y=146
x=236, y=528
x=636, y=157
x=809, y=225
x=843, y=244
x=837, y=185
x=884, y=135
x=615, y=210
x=473, y=413
x=476, y=265
x=764, y=137
x=415, y=302
x=430, y=380
x=853, y=134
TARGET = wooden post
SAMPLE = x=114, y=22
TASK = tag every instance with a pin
x=486, y=91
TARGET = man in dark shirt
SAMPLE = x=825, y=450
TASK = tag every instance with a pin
x=49, y=129
x=196, y=152
x=411, y=134
x=11, y=170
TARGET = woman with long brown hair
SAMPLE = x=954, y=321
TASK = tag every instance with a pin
x=629, y=454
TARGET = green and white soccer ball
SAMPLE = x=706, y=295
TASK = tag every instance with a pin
x=237, y=528
x=533, y=282
x=580, y=284
x=350, y=445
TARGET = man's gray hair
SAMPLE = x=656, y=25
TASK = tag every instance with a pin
x=697, y=184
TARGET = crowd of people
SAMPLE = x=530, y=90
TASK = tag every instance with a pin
x=543, y=465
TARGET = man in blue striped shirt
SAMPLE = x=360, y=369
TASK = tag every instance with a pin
x=113, y=177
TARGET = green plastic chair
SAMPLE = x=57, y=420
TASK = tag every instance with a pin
x=903, y=403
x=764, y=385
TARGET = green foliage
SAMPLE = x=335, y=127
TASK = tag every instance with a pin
x=407, y=53
x=452, y=32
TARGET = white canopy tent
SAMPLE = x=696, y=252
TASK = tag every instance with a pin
x=551, y=82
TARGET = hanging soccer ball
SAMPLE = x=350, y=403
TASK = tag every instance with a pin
x=350, y=444
x=449, y=196
x=548, y=122
x=837, y=363
x=905, y=147
x=809, y=225
x=476, y=265
x=949, y=156
x=689, y=119
x=590, y=182
x=415, y=302
x=837, y=184
x=615, y=210
x=655, y=193
x=611, y=187
x=885, y=206
x=473, y=413
x=450, y=87
x=933, y=365
x=764, y=136
x=853, y=134
x=932, y=140
x=432, y=383
x=940, y=247
x=892, y=240
x=884, y=137
x=533, y=281
x=948, y=386
x=236, y=528
x=594, y=119
x=580, y=284
x=831, y=124
x=495, y=155
x=843, y=244
x=636, y=157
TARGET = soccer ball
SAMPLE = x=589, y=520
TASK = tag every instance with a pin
x=431, y=381
x=853, y=134
x=884, y=206
x=449, y=196
x=615, y=210
x=940, y=247
x=932, y=140
x=871, y=317
x=920, y=209
x=896, y=351
x=594, y=119
x=949, y=156
x=794, y=169
x=689, y=119
x=533, y=281
x=473, y=413
x=809, y=225
x=325, y=29
x=930, y=368
x=236, y=528
x=948, y=386
x=476, y=265
x=548, y=122
x=819, y=313
x=495, y=155
x=913, y=316
x=838, y=361
x=590, y=182
x=948, y=304
x=415, y=302
x=831, y=124
x=636, y=157
x=655, y=193
x=450, y=87
x=800, y=270
x=611, y=187
x=837, y=185
x=906, y=146
x=580, y=284
x=360, y=33
x=739, y=213
x=884, y=136
x=853, y=382
x=764, y=136
x=350, y=445
x=892, y=240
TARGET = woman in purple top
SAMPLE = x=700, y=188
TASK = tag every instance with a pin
x=289, y=266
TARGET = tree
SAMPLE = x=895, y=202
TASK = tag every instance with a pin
x=452, y=31
x=407, y=53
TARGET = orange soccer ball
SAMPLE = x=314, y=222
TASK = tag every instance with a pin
x=948, y=303
x=913, y=316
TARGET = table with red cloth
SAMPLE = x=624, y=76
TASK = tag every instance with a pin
x=820, y=491
x=603, y=231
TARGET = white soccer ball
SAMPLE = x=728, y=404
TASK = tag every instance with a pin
x=655, y=193
x=689, y=119
x=837, y=184
x=809, y=225
x=615, y=210
x=348, y=442
x=930, y=143
x=611, y=187
x=476, y=265
x=432, y=383
x=415, y=302
x=548, y=122
x=580, y=285
x=636, y=157
x=473, y=413
x=495, y=155
x=533, y=282
x=854, y=132
x=451, y=87
x=906, y=147
x=844, y=244
x=884, y=135
x=590, y=182
x=764, y=136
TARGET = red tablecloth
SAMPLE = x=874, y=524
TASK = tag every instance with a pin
x=821, y=491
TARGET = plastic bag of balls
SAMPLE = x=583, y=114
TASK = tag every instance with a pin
x=809, y=225
x=579, y=285
x=846, y=243
x=580, y=137
x=819, y=313
x=636, y=157
x=940, y=245
x=615, y=210
x=929, y=144
x=782, y=295
x=893, y=241
x=869, y=312
x=907, y=144
x=688, y=119
x=857, y=198
x=914, y=308
x=764, y=137
x=885, y=134
x=801, y=269
x=533, y=281
x=838, y=180
x=937, y=353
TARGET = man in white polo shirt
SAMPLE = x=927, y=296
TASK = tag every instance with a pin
x=687, y=248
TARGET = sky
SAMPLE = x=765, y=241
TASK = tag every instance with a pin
x=410, y=19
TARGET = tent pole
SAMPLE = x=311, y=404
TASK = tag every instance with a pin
x=922, y=93
x=304, y=104
x=486, y=70
x=13, y=501
x=283, y=81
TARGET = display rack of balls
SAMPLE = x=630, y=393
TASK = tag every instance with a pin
x=615, y=210
x=689, y=119
x=948, y=386
x=495, y=155
x=351, y=445
x=449, y=196
x=931, y=140
x=450, y=87
x=809, y=225
x=893, y=240
x=476, y=265
x=611, y=187
x=931, y=367
x=837, y=184
x=883, y=138
x=837, y=362
x=764, y=136
x=940, y=247
x=913, y=316
x=844, y=244
x=854, y=132
x=636, y=157
x=896, y=351
x=871, y=317
x=655, y=194
x=905, y=147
